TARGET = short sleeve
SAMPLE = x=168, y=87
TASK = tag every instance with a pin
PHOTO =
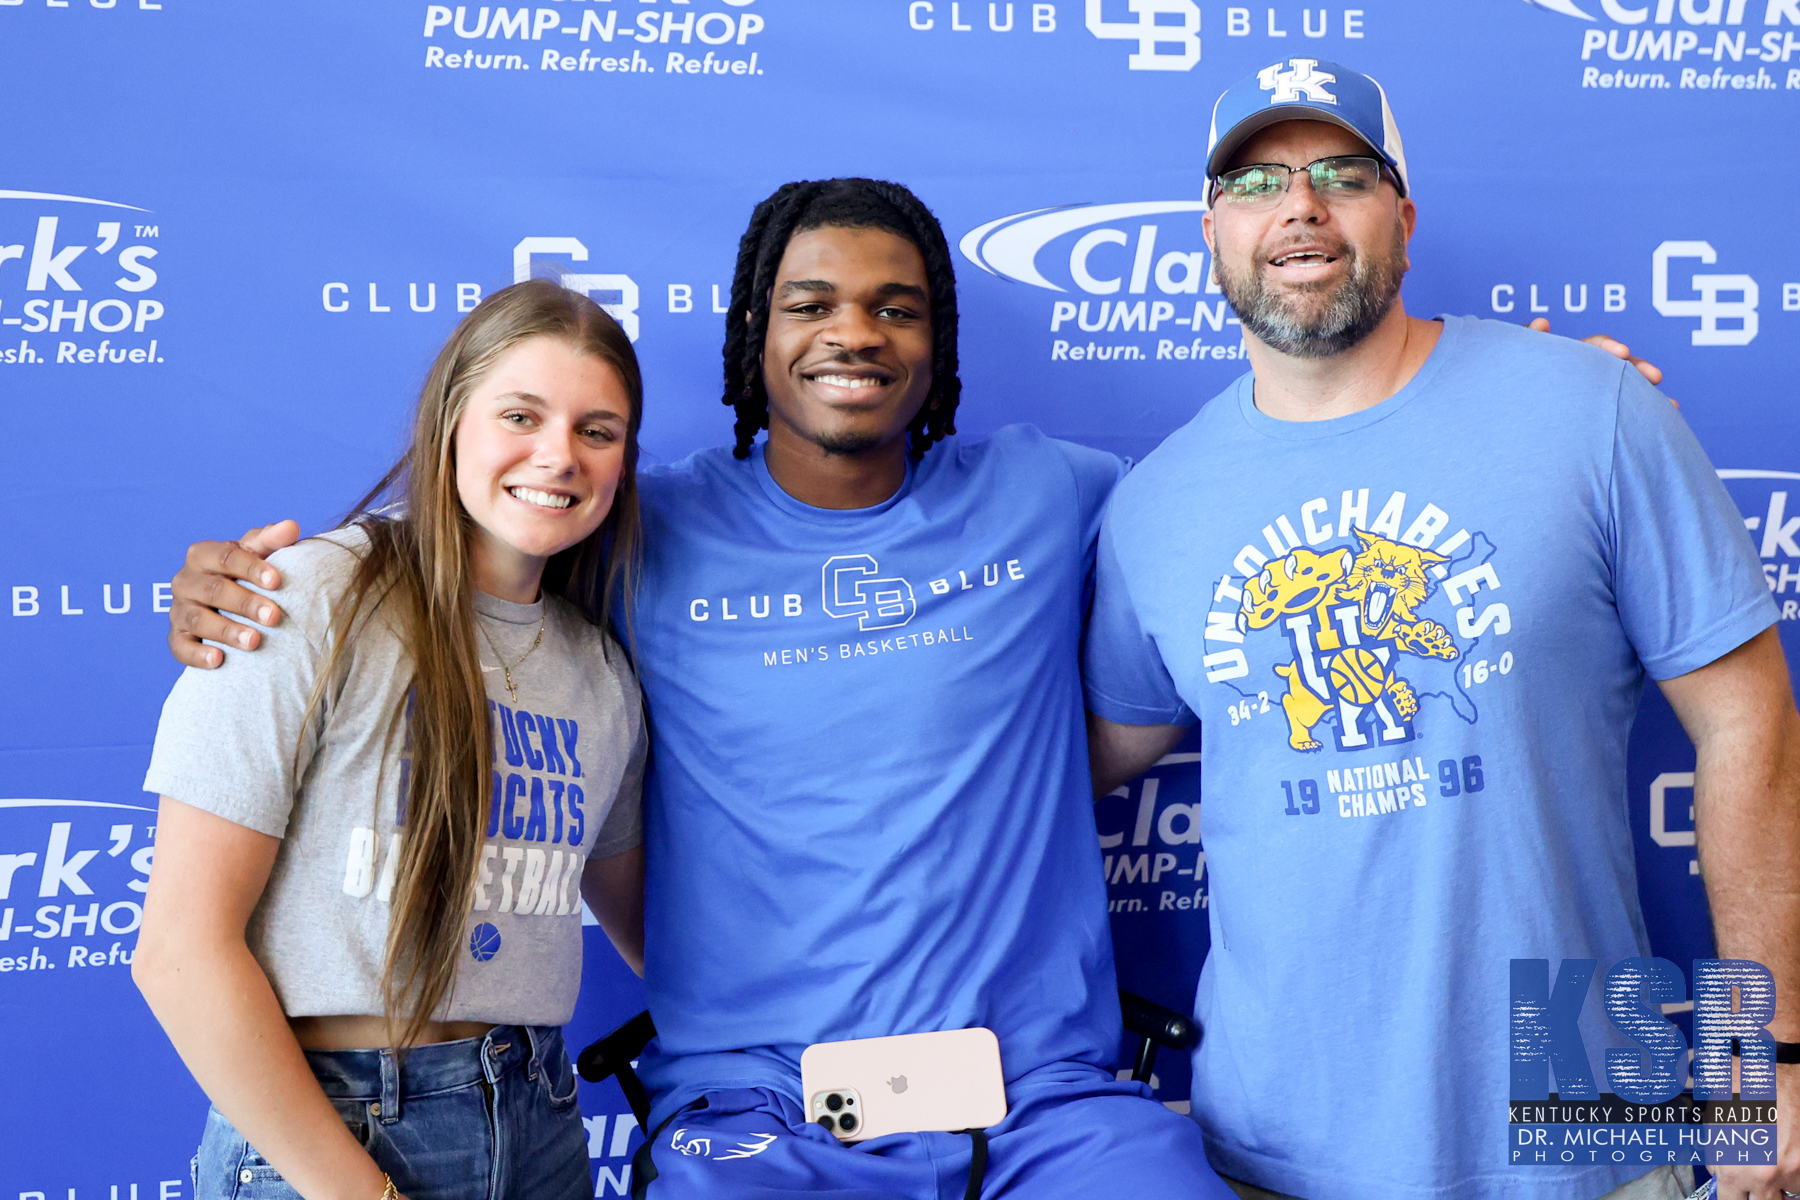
x=1096, y=473
x=1686, y=576
x=232, y=740
x=1123, y=675
x=624, y=824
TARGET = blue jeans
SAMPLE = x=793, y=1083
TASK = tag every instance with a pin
x=491, y=1118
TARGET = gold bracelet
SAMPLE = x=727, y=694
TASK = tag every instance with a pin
x=389, y=1192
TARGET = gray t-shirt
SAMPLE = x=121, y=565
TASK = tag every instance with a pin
x=568, y=769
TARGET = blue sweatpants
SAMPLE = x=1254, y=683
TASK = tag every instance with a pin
x=1090, y=1139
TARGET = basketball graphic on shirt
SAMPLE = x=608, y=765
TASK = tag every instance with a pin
x=1360, y=652
x=1358, y=675
x=484, y=942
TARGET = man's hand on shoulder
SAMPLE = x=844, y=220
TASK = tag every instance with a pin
x=1614, y=347
x=206, y=589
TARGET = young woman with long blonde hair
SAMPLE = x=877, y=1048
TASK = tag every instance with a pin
x=363, y=926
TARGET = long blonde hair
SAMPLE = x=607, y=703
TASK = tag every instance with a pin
x=416, y=573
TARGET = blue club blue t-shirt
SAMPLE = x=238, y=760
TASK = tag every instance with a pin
x=869, y=810
x=1416, y=637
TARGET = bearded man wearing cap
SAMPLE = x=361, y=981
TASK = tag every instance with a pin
x=1410, y=575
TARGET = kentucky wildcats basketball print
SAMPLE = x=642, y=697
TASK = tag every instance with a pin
x=1364, y=625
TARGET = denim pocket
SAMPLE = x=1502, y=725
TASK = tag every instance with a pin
x=230, y=1168
x=355, y=1116
x=257, y=1180
x=559, y=1079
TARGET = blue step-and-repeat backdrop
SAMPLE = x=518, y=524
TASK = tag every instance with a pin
x=232, y=236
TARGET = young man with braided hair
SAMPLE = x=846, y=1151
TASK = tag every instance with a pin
x=868, y=812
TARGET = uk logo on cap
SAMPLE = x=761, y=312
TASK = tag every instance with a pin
x=1306, y=89
x=1299, y=80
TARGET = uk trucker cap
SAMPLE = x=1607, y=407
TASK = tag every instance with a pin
x=1305, y=89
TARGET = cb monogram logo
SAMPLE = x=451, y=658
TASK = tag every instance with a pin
x=852, y=588
x=1709, y=308
x=1184, y=38
x=1299, y=82
x=617, y=295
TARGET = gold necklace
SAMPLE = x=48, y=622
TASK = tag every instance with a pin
x=506, y=670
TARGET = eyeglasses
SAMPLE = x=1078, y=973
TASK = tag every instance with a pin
x=1336, y=180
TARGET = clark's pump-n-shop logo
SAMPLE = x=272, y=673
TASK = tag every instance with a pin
x=1133, y=268
x=1770, y=502
x=594, y=41
x=77, y=281
x=72, y=879
x=1712, y=44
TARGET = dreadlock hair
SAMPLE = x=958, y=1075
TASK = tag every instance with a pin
x=798, y=208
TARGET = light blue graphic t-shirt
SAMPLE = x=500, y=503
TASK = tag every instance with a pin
x=869, y=811
x=1416, y=638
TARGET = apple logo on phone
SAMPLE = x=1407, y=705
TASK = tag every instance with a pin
x=898, y=1083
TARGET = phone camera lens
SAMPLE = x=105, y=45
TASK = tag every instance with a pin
x=826, y=1121
x=834, y=1102
x=847, y=1122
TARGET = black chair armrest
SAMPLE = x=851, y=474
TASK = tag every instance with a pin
x=1154, y=1026
x=1164, y=1026
x=612, y=1055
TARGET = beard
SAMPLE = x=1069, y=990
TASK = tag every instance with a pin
x=848, y=445
x=1286, y=320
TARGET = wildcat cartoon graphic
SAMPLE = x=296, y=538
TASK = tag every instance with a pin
x=1347, y=616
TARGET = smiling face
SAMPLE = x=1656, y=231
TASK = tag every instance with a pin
x=540, y=448
x=847, y=359
x=1308, y=278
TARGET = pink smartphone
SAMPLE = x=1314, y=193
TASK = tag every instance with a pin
x=910, y=1083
